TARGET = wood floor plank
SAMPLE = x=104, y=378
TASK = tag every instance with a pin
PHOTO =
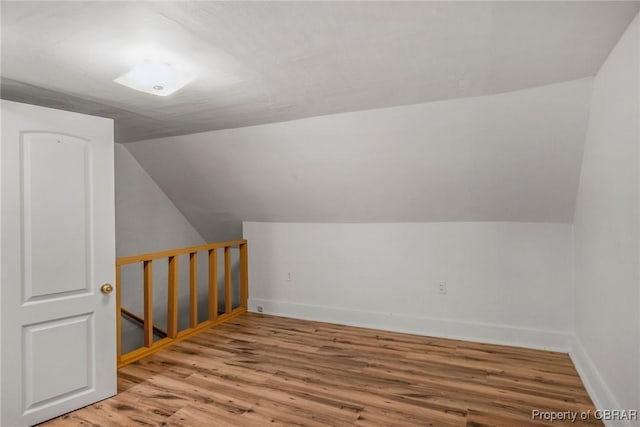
x=256, y=370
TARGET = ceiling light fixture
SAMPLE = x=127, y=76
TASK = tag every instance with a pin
x=155, y=77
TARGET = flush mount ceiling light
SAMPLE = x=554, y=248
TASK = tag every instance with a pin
x=155, y=77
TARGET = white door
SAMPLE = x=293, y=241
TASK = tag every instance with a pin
x=58, y=344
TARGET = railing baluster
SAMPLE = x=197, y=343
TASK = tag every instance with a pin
x=148, y=303
x=244, y=275
x=193, y=290
x=119, y=311
x=213, y=285
x=227, y=279
x=172, y=301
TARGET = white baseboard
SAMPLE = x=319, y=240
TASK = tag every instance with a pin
x=598, y=390
x=443, y=328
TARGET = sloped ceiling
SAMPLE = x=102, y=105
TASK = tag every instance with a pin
x=264, y=62
x=333, y=111
x=509, y=157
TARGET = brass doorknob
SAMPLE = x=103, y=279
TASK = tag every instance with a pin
x=106, y=288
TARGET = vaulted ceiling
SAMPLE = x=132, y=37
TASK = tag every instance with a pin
x=514, y=156
x=264, y=62
x=475, y=111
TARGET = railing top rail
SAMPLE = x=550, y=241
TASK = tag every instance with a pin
x=175, y=252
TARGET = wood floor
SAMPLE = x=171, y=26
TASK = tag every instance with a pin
x=258, y=370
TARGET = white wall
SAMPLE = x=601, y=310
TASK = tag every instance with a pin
x=146, y=220
x=607, y=234
x=507, y=282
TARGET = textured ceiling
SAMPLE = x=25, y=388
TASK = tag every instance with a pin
x=263, y=62
x=509, y=157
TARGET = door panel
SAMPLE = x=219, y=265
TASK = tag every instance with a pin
x=58, y=344
x=57, y=236
x=67, y=342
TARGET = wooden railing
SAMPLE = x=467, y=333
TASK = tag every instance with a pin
x=172, y=334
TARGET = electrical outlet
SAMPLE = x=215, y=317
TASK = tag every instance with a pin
x=288, y=276
x=442, y=288
x=259, y=309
